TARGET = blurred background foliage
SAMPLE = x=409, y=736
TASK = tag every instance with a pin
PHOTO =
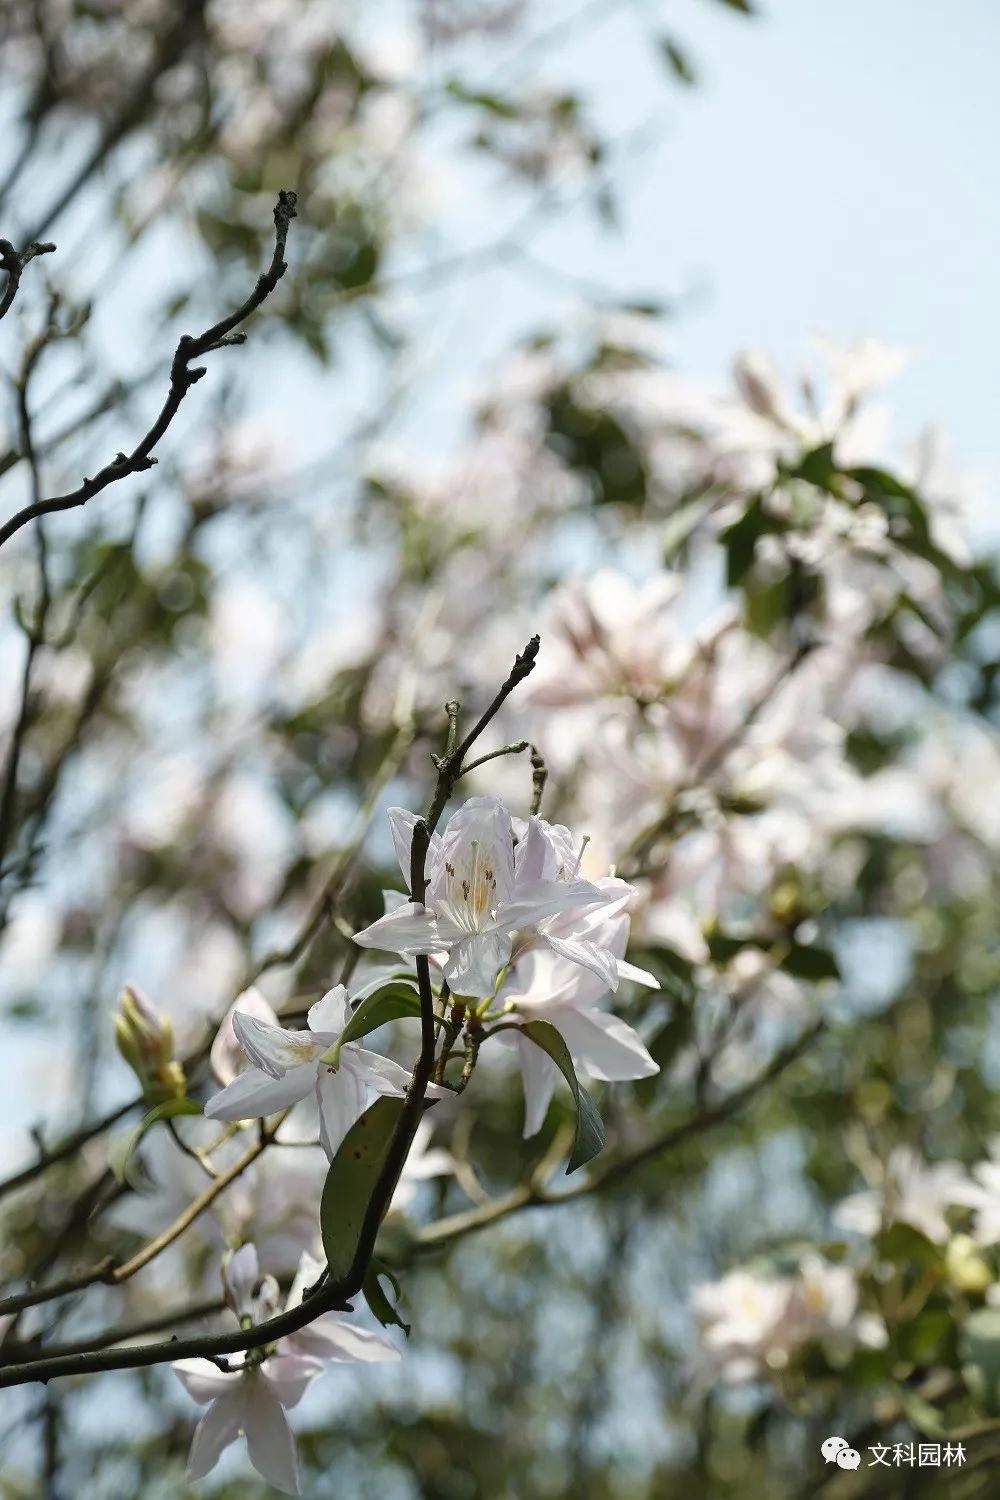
x=217, y=668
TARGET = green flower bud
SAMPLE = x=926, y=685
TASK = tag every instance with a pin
x=145, y=1039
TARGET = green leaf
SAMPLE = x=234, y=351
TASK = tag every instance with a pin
x=121, y=1150
x=376, y=1298
x=351, y=1181
x=979, y=1350
x=740, y=539
x=743, y=6
x=810, y=963
x=390, y=1003
x=494, y=104
x=677, y=61
x=589, y=1139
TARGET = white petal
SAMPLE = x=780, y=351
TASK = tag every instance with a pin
x=219, y=1427
x=332, y=1012
x=332, y=1337
x=202, y=1380
x=241, y=1276
x=537, y=899
x=401, y=822
x=309, y=1271
x=534, y=857
x=473, y=963
x=473, y=872
x=538, y=1074
x=269, y=1438
x=410, y=929
x=589, y=956
x=636, y=975
x=341, y=1097
x=381, y=1073
x=253, y=1094
x=271, y=1048
x=290, y=1372
x=226, y=1056
x=603, y=1046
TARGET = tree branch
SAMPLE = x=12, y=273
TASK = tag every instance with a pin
x=13, y=262
x=183, y=375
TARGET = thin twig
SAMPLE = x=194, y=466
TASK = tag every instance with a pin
x=183, y=375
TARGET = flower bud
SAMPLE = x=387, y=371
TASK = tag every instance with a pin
x=145, y=1039
x=967, y=1268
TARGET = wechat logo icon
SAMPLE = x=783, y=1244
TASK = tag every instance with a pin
x=837, y=1450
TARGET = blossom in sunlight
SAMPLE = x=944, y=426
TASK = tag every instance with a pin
x=253, y=1395
x=751, y=1322
x=982, y=1193
x=286, y=1066
x=547, y=982
x=913, y=1193
x=478, y=896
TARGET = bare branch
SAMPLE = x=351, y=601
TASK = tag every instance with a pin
x=13, y=262
x=183, y=375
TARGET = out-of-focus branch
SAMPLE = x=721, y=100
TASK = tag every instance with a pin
x=535, y=1194
x=183, y=375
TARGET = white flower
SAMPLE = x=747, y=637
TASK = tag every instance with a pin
x=752, y=1321
x=740, y=1320
x=227, y=1057
x=983, y=1194
x=477, y=896
x=252, y=1398
x=288, y=1065
x=551, y=984
x=914, y=1193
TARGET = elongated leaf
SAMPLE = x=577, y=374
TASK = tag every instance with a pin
x=589, y=1139
x=121, y=1150
x=390, y=1003
x=377, y=1299
x=351, y=1180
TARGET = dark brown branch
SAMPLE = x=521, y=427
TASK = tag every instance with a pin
x=183, y=375
x=13, y=262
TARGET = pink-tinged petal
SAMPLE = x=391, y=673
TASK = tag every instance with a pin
x=269, y=1437
x=333, y=1337
x=474, y=870
x=202, y=1380
x=473, y=963
x=537, y=899
x=273, y=1049
x=290, y=1371
x=534, y=857
x=331, y=1013
x=401, y=822
x=636, y=975
x=241, y=1278
x=341, y=1096
x=589, y=956
x=409, y=929
x=219, y=1427
x=253, y=1094
x=603, y=1046
x=538, y=1075
x=227, y=1056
